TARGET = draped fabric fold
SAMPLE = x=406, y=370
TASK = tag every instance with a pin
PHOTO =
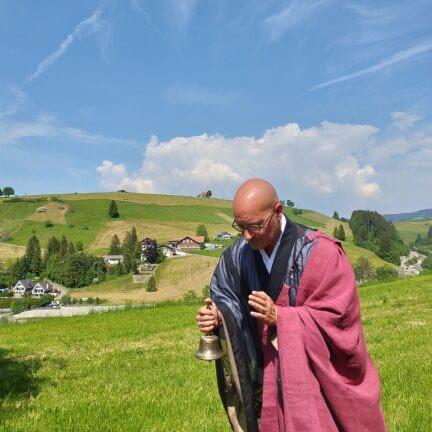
x=312, y=372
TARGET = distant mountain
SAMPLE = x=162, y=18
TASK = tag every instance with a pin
x=420, y=214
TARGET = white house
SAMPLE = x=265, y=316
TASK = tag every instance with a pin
x=23, y=286
x=41, y=288
x=223, y=236
x=113, y=259
x=170, y=251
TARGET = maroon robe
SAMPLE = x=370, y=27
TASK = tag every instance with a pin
x=328, y=381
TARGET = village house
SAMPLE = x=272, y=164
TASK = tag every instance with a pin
x=113, y=259
x=187, y=243
x=41, y=288
x=224, y=235
x=22, y=287
x=170, y=251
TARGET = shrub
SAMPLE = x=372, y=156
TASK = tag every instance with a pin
x=48, y=224
x=190, y=297
x=151, y=285
x=18, y=306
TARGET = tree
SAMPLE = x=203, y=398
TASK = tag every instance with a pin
x=202, y=231
x=1, y=193
x=115, y=248
x=8, y=191
x=113, y=211
x=363, y=269
x=335, y=215
x=34, y=256
x=208, y=194
x=335, y=232
x=289, y=203
x=341, y=233
x=429, y=234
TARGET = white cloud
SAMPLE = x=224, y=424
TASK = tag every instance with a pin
x=404, y=120
x=89, y=25
x=316, y=161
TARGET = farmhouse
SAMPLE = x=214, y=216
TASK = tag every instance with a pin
x=41, y=288
x=170, y=251
x=22, y=287
x=113, y=259
x=187, y=243
x=224, y=235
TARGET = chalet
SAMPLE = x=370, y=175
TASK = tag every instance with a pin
x=223, y=236
x=169, y=251
x=188, y=242
x=113, y=259
x=41, y=288
x=22, y=287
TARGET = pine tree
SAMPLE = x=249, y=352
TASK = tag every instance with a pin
x=115, y=248
x=113, y=211
x=341, y=233
x=34, y=256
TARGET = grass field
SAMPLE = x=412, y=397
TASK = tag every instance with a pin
x=174, y=278
x=135, y=370
x=408, y=230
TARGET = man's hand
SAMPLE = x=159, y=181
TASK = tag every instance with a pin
x=208, y=317
x=263, y=307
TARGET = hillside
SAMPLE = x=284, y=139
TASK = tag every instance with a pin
x=84, y=218
x=121, y=371
x=420, y=214
x=408, y=230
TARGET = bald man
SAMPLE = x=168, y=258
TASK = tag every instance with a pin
x=285, y=305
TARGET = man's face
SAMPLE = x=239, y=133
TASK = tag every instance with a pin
x=251, y=219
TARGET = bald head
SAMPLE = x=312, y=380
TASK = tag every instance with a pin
x=254, y=194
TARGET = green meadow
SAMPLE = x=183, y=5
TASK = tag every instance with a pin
x=84, y=218
x=135, y=370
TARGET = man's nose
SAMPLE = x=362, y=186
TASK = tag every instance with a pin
x=248, y=235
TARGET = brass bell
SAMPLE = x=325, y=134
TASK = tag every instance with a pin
x=209, y=348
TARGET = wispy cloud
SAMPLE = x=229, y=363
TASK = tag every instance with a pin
x=10, y=99
x=46, y=126
x=87, y=26
x=181, y=12
x=292, y=16
x=396, y=58
x=404, y=120
x=136, y=4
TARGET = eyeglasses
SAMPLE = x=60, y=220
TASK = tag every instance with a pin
x=255, y=228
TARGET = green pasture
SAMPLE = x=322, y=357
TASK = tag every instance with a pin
x=135, y=370
x=408, y=230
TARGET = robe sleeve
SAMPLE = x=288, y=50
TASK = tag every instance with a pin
x=328, y=379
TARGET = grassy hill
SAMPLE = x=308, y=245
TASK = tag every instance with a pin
x=408, y=230
x=84, y=217
x=135, y=370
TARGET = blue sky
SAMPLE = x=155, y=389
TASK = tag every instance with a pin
x=329, y=100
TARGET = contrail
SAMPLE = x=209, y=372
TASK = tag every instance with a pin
x=88, y=25
x=395, y=58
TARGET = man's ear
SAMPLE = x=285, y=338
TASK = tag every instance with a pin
x=278, y=208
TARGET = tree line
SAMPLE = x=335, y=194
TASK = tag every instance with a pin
x=63, y=262
x=371, y=231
